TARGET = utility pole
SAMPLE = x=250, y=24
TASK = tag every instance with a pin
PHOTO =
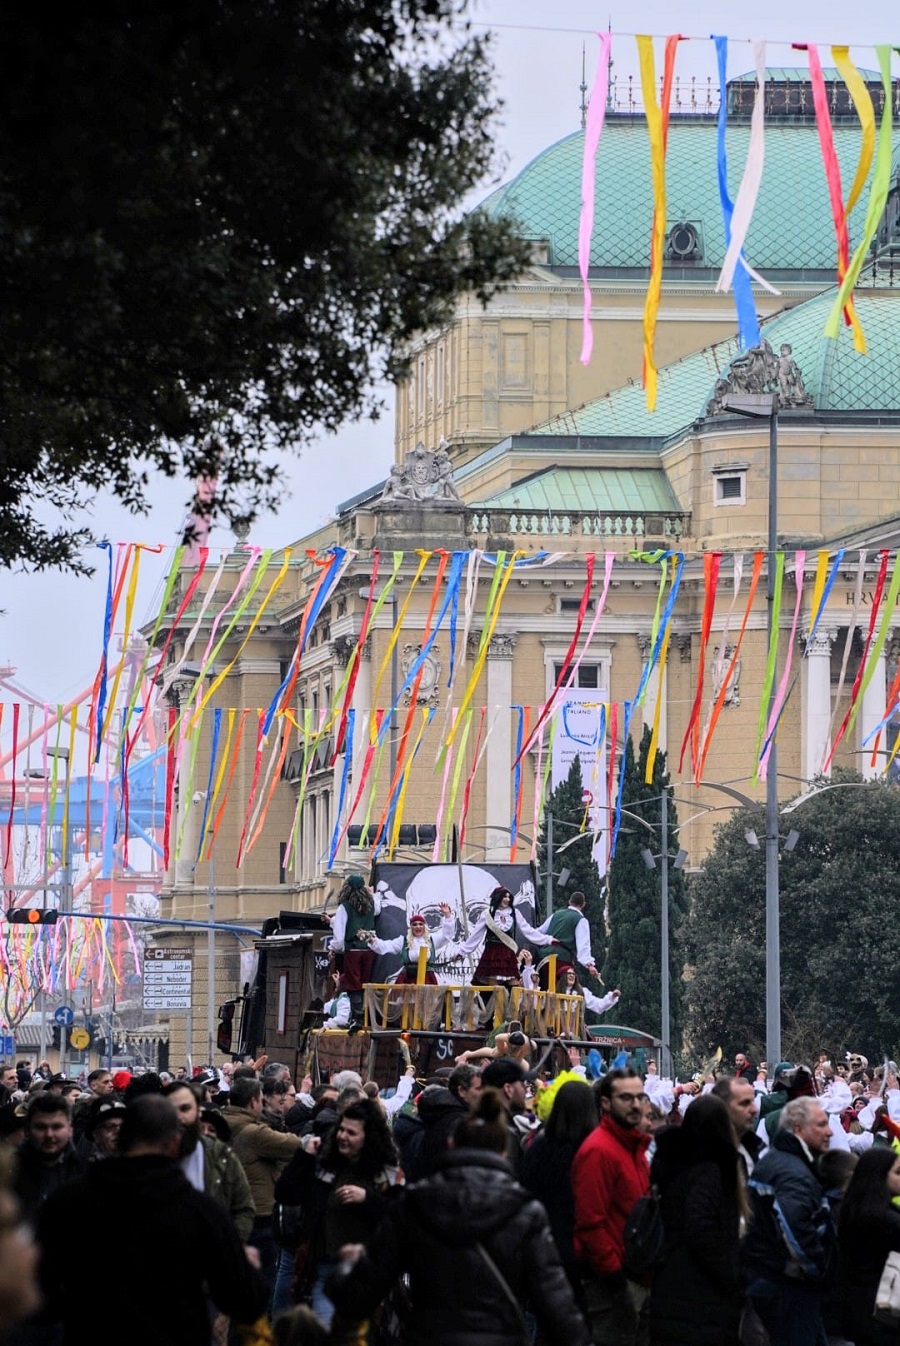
x=665, y=1014
x=210, y=957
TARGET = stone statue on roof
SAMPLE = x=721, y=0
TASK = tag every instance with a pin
x=760, y=370
x=425, y=477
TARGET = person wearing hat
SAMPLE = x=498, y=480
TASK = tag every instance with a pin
x=351, y=926
x=410, y=946
x=338, y=1011
x=101, y=1129
x=121, y=1080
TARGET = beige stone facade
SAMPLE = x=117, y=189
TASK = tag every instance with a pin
x=524, y=420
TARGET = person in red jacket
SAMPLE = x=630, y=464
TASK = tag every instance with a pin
x=609, y=1173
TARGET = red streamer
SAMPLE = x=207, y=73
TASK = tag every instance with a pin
x=873, y=622
x=570, y=653
x=711, y=563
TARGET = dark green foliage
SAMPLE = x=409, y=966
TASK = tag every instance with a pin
x=839, y=897
x=566, y=804
x=219, y=221
x=633, y=960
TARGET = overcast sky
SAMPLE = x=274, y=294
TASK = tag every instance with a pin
x=51, y=626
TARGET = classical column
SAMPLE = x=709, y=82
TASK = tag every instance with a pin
x=817, y=702
x=499, y=754
x=872, y=713
x=656, y=687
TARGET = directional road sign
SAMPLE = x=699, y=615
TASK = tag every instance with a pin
x=168, y=978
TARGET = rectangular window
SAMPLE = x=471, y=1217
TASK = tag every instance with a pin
x=588, y=675
x=282, y=1007
x=730, y=488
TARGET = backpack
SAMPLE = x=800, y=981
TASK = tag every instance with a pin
x=644, y=1237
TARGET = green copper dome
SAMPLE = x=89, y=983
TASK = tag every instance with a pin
x=835, y=374
x=791, y=233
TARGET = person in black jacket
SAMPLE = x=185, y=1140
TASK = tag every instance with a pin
x=440, y=1111
x=343, y=1187
x=789, y=1252
x=138, y=1212
x=869, y=1229
x=477, y=1248
x=695, y=1299
x=46, y=1160
x=546, y=1168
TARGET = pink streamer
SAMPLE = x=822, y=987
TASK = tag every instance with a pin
x=538, y=791
x=778, y=704
x=593, y=130
x=607, y=576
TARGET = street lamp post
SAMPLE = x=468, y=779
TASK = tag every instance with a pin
x=764, y=406
x=650, y=861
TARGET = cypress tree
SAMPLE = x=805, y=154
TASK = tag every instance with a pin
x=566, y=804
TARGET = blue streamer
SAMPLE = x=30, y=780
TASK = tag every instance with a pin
x=104, y=657
x=213, y=753
x=345, y=776
x=631, y=706
x=829, y=584
x=748, y=323
x=337, y=556
x=453, y=580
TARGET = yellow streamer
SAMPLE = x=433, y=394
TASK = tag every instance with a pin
x=818, y=584
x=460, y=758
x=862, y=101
x=129, y=609
x=275, y=586
x=487, y=633
x=424, y=557
x=401, y=799
x=654, y=116
x=878, y=192
x=654, y=733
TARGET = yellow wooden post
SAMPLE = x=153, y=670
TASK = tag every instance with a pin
x=421, y=969
x=551, y=973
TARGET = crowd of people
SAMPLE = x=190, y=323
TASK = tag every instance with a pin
x=486, y=1204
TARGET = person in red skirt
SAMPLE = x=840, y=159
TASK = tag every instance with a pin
x=410, y=945
x=499, y=961
x=351, y=926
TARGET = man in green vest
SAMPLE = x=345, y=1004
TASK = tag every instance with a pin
x=571, y=933
x=351, y=926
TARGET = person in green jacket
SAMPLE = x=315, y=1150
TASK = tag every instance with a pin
x=210, y=1165
x=571, y=932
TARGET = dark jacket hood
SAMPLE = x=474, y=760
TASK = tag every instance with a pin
x=472, y=1194
x=434, y=1103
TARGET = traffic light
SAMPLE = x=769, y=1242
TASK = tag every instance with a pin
x=32, y=916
